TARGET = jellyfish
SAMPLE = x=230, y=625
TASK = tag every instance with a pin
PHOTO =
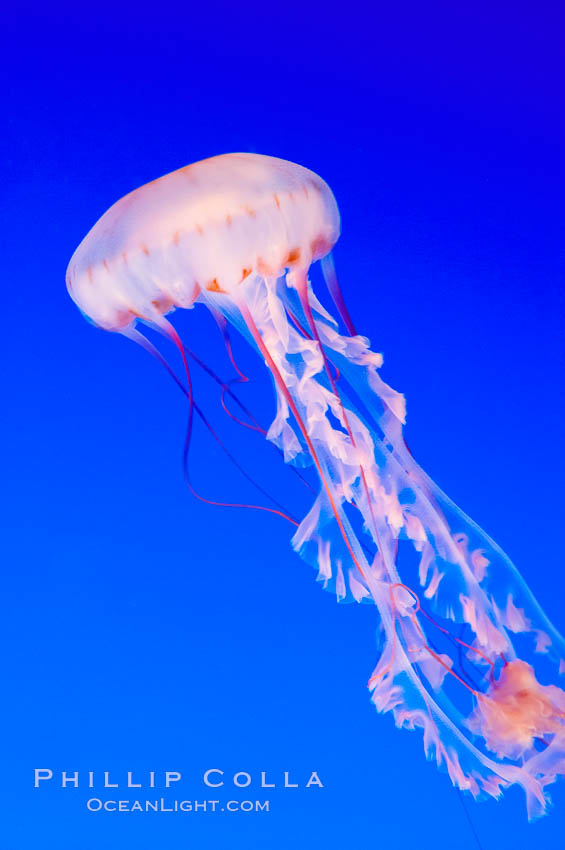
x=465, y=653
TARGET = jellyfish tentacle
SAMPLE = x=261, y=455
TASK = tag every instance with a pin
x=397, y=683
x=282, y=386
x=302, y=287
x=236, y=419
x=504, y=579
x=226, y=390
x=435, y=524
x=330, y=277
x=223, y=326
x=385, y=612
x=282, y=511
x=171, y=332
x=306, y=335
x=132, y=333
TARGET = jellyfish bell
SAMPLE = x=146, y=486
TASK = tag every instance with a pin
x=208, y=226
x=466, y=652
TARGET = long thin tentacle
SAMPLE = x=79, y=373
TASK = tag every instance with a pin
x=193, y=407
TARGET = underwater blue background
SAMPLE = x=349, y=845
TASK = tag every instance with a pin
x=143, y=630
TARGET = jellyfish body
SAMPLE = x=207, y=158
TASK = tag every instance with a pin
x=462, y=640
